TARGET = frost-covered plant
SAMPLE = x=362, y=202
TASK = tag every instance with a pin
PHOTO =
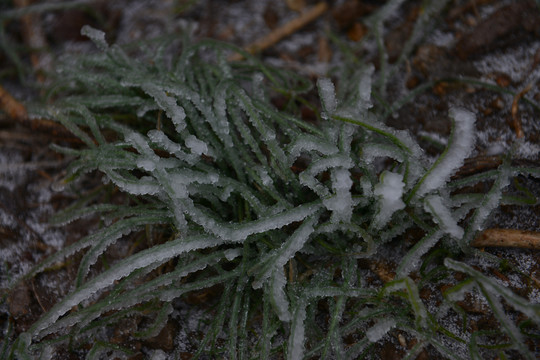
x=274, y=210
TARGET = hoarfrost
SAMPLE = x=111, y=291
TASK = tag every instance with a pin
x=296, y=339
x=279, y=298
x=443, y=216
x=263, y=174
x=97, y=36
x=159, y=355
x=145, y=185
x=371, y=151
x=341, y=204
x=412, y=259
x=309, y=143
x=327, y=93
x=390, y=191
x=364, y=88
x=146, y=164
x=279, y=257
x=376, y=332
x=308, y=179
x=173, y=110
x=460, y=147
x=231, y=254
x=152, y=258
x=196, y=146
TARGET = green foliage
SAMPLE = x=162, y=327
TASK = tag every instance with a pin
x=274, y=211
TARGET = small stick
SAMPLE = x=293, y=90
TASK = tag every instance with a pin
x=12, y=107
x=17, y=111
x=36, y=295
x=34, y=37
x=284, y=31
x=508, y=238
x=515, y=117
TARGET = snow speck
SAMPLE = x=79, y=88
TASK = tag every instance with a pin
x=389, y=190
x=460, y=146
x=341, y=203
x=159, y=355
x=196, y=146
x=279, y=298
x=380, y=329
x=97, y=36
x=327, y=93
x=443, y=216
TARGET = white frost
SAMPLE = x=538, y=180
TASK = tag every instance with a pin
x=279, y=298
x=196, y=146
x=377, y=331
x=459, y=148
x=390, y=191
x=296, y=339
x=327, y=94
x=443, y=216
x=341, y=204
x=97, y=36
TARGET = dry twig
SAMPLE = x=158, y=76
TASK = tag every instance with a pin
x=284, y=31
x=516, y=119
x=17, y=111
x=508, y=238
x=34, y=37
x=12, y=107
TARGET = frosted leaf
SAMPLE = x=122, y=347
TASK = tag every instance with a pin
x=364, y=88
x=307, y=177
x=267, y=134
x=227, y=190
x=187, y=176
x=371, y=151
x=221, y=124
x=296, y=339
x=390, y=192
x=346, y=137
x=196, y=146
x=400, y=138
x=341, y=203
x=146, y=185
x=490, y=201
x=279, y=298
x=460, y=146
x=258, y=85
x=367, y=188
x=143, y=109
x=146, y=164
x=412, y=259
x=279, y=257
x=327, y=93
x=263, y=174
x=159, y=138
x=231, y=254
x=442, y=216
x=310, y=143
x=152, y=257
x=490, y=286
x=167, y=103
x=377, y=331
x=97, y=36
